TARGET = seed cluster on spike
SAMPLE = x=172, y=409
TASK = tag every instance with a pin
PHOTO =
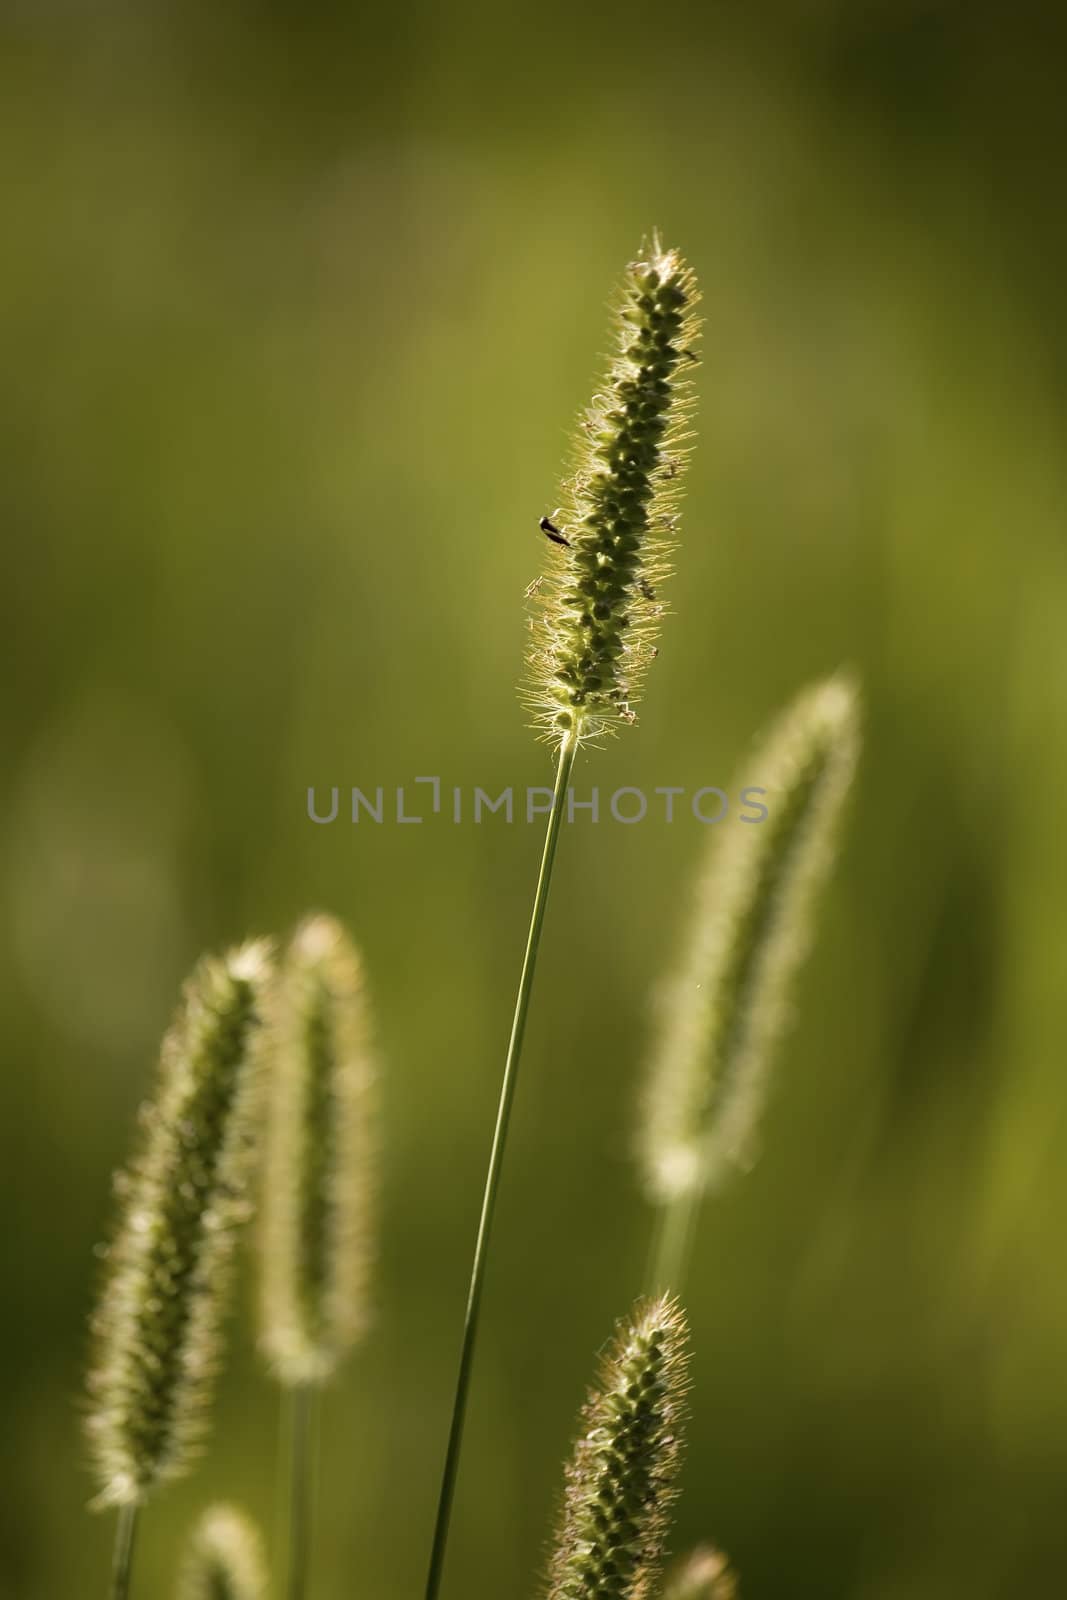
x=724, y=1009
x=598, y=606
x=319, y=1185
x=224, y=1559
x=622, y=1479
x=157, y=1325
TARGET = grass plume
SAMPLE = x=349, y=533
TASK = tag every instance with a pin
x=592, y=639
x=598, y=606
x=751, y=926
x=704, y=1574
x=318, y=1171
x=224, y=1559
x=318, y=1190
x=157, y=1325
x=621, y=1481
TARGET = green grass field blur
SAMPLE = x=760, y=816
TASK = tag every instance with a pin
x=296, y=309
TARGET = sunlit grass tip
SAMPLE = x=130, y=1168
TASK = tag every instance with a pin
x=621, y=1481
x=223, y=1559
x=721, y=1013
x=599, y=603
x=704, y=1574
x=156, y=1328
x=319, y=1161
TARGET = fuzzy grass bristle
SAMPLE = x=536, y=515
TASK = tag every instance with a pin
x=621, y=1481
x=157, y=1325
x=223, y=1559
x=723, y=1011
x=319, y=1183
x=598, y=606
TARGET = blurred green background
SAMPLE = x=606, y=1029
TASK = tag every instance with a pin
x=296, y=305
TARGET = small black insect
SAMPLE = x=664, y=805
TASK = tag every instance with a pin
x=550, y=531
x=645, y=589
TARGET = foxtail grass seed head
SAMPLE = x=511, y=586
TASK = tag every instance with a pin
x=223, y=1559
x=319, y=1166
x=722, y=1012
x=621, y=1481
x=157, y=1325
x=704, y=1574
x=599, y=604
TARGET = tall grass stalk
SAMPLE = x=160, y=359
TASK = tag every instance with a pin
x=598, y=613
x=157, y=1326
x=303, y=1408
x=122, y=1557
x=496, y=1161
x=672, y=1238
x=725, y=1006
x=319, y=1182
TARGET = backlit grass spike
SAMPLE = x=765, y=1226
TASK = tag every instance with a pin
x=724, y=1007
x=621, y=1481
x=223, y=1559
x=704, y=1574
x=599, y=603
x=157, y=1325
x=319, y=1165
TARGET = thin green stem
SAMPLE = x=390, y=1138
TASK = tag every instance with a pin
x=125, y=1533
x=496, y=1161
x=301, y=1407
x=279, y=1525
x=673, y=1243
